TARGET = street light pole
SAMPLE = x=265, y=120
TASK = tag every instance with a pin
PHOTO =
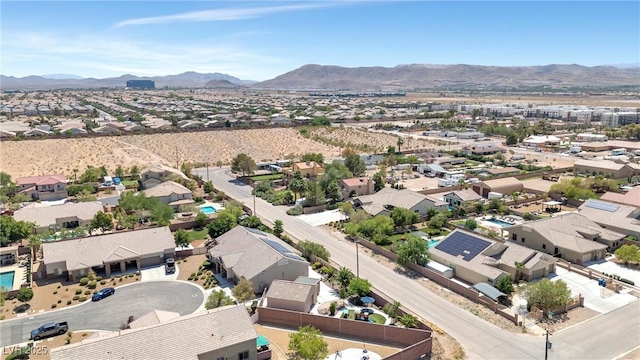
x=547, y=344
x=357, y=260
x=254, y=205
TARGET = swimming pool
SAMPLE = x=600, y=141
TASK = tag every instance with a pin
x=433, y=243
x=207, y=209
x=6, y=279
x=500, y=222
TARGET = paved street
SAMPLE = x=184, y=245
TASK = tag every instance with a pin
x=480, y=339
x=109, y=313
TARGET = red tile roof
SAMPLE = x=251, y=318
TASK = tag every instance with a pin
x=42, y=180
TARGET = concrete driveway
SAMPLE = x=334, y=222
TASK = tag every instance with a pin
x=591, y=292
x=108, y=314
x=615, y=269
x=322, y=218
x=157, y=273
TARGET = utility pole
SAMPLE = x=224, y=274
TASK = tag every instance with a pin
x=357, y=259
x=547, y=344
x=254, y=205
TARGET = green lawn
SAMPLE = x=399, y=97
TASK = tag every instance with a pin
x=198, y=234
x=435, y=232
x=266, y=177
x=128, y=183
x=377, y=318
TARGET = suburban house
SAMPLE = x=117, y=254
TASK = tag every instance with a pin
x=309, y=169
x=536, y=141
x=171, y=193
x=486, y=149
x=504, y=171
x=631, y=197
x=607, y=168
x=623, y=219
x=460, y=197
x=158, y=174
x=245, y=253
x=356, y=187
x=572, y=237
x=477, y=259
x=299, y=295
x=106, y=253
x=45, y=188
x=373, y=159
x=222, y=333
x=58, y=217
x=382, y=202
x=504, y=186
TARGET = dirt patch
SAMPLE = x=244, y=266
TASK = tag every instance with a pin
x=193, y=266
x=280, y=338
x=42, y=349
x=573, y=317
x=60, y=293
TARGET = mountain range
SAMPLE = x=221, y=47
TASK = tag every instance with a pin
x=401, y=77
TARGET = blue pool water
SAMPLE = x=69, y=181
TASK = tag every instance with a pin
x=6, y=279
x=208, y=209
x=500, y=222
x=433, y=243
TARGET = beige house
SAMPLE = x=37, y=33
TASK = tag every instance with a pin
x=607, y=168
x=309, y=169
x=623, y=219
x=292, y=295
x=504, y=186
x=45, y=188
x=58, y=217
x=476, y=259
x=460, y=197
x=358, y=186
x=245, y=253
x=171, y=193
x=158, y=174
x=382, y=202
x=222, y=333
x=571, y=237
x=106, y=253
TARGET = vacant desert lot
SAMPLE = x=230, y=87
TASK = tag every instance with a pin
x=37, y=157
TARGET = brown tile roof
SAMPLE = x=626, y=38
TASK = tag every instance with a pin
x=356, y=181
x=42, y=180
x=206, y=331
x=45, y=215
x=631, y=197
x=167, y=188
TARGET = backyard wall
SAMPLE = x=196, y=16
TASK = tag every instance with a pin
x=417, y=342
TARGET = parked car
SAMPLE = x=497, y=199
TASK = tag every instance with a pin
x=49, y=329
x=170, y=266
x=103, y=293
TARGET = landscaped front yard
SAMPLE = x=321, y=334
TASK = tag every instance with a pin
x=266, y=177
x=56, y=294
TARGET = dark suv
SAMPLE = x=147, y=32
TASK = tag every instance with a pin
x=170, y=266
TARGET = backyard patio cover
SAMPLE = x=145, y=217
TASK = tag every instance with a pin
x=262, y=341
x=489, y=290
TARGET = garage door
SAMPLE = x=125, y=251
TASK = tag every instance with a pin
x=150, y=261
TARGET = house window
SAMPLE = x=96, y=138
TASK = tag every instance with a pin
x=522, y=239
x=514, y=237
x=243, y=355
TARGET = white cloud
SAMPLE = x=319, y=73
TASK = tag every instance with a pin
x=220, y=14
x=101, y=54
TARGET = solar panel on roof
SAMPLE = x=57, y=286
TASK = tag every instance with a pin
x=601, y=205
x=459, y=243
x=281, y=249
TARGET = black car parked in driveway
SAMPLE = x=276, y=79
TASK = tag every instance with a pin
x=101, y=294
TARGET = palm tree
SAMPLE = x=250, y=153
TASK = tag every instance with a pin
x=35, y=240
x=519, y=267
x=400, y=143
x=344, y=276
x=75, y=174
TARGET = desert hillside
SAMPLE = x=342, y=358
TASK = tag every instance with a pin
x=37, y=157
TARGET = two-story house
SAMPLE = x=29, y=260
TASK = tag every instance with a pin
x=309, y=169
x=45, y=188
x=158, y=174
x=357, y=187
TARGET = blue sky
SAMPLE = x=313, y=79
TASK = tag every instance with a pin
x=262, y=39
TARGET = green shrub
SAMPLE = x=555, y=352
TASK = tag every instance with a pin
x=102, y=282
x=98, y=278
x=316, y=265
x=53, y=306
x=193, y=274
x=206, y=263
x=76, y=297
x=83, y=299
x=78, y=291
x=1, y=317
x=58, y=287
x=87, y=292
x=59, y=301
x=92, y=284
x=67, y=289
x=131, y=275
x=120, y=279
x=84, y=281
x=627, y=281
x=185, y=260
x=55, y=292
x=199, y=272
x=68, y=302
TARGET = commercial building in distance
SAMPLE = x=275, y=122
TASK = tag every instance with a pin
x=141, y=84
